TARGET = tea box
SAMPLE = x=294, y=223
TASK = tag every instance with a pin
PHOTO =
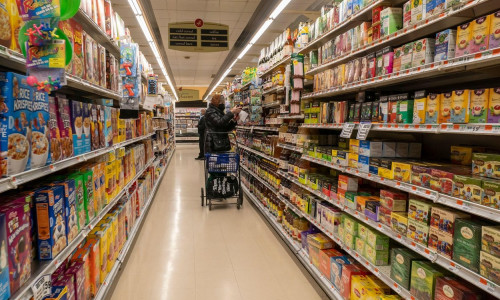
x=414, y=150
x=423, y=52
x=371, y=210
x=402, y=149
x=393, y=200
x=359, y=245
x=486, y=164
x=319, y=241
x=347, y=183
x=406, y=14
x=423, y=279
x=490, y=240
x=444, y=219
x=337, y=264
x=494, y=105
x=401, y=171
x=441, y=242
x=363, y=230
x=389, y=149
x=401, y=262
x=494, y=30
x=374, y=165
x=467, y=188
x=370, y=148
x=489, y=266
x=464, y=39
x=407, y=56
x=417, y=11
x=466, y=243
x=442, y=177
x=385, y=170
x=418, y=232
x=445, y=108
x=324, y=260
x=396, y=65
x=432, y=108
x=377, y=240
x=480, y=34
x=393, y=108
x=445, y=45
x=419, y=107
x=404, y=112
x=479, y=106
x=391, y=20
x=399, y=222
x=491, y=193
x=384, y=216
x=348, y=272
x=463, y=154
x=362, y=289
x=349, y=240
x=350, y=225
x=376, y=257
x=451, y=288
x=420, y=174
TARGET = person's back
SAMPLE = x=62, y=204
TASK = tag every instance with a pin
x=218, y=124
x=201, y=132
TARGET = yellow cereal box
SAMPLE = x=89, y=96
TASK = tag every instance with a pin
x=432, y=108
x=445, y=108
x=99, y=233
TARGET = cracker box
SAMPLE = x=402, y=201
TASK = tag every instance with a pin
x=401, y=262
x=445, y=45
x=489, y=266
x=4, y=270
x=349, y=271
x=445, y=108
x=491, y=193
x=79, y=200
x=494, y=106
x=395, y=201
x=423, y=279
x=423, y=52
x=376, y=257
x=419, y=107
x=51, y=222
x=17, y=223
x=464, y=39
x=432, y=109
x=444, y=219
x=466, y=243
x=480, y=34
x=40, y=133
x=418, y=232
x=377, y=240
x=407, y=56
x=324, y=260
x=494, y=30
x=56, y=153
x=478, y=106
x=70, y=216
x=399, y=222
x=337, y=264
x=485, y=164
x=468, y=188
x=490, y=240
x=451, y=288
x=15, y=116
x=64, y=124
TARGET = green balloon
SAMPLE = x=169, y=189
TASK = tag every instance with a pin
x=69, y=8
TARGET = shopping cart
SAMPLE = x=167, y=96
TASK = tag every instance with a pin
x=222, y=176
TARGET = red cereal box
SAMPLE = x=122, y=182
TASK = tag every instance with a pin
x=78, y=61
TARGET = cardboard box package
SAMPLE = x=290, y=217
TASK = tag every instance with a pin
x=494, y=105
x=423, y=52
x=494, y=30
x=491, y=193
x=423, y=279
x=432, y=110
x=490, y=240
x=468, y=188
x=466, y=243
x=445, y=45
x=480, y=34
x=489, y=266
x=399, y=222
x=348, y=271
x=444, y=219
x=486, y=164
x=464, y=39
x=401, y=262
x=418, y=232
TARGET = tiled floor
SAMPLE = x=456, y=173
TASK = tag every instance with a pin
x=185, y=251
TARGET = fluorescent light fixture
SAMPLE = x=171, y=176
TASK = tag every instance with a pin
x=234, y=62
x=218, y=82
x=261, y=31
x=277, y=11
x=244, y=51
x=144, y=28
x=135, y=7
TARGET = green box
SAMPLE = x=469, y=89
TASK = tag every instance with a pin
x=351, y=226
x=401, y=262
x=376, y=257
x=404, y=112
x=360, y=245
x=88, y=194
x=491, y=193
x=79, y=200
x=467, y=243
x=419, y=211
x=418, y=232
x=350, y=199
x=391, y=19
x=377, y=241
x=423, y=279
x=349, y=240
x=363, y=231
x=486, y=164
x=468, y=188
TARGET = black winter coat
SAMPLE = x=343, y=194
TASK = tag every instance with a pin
x=201, y=126
x=216, y=122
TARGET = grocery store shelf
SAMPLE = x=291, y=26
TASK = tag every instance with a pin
x=162, y=128
x=456, y=68
x=269, y=186
x=108, y=282
x=261, y=128
x=291, y=147
x=471, y=128
x=291, y=117
x=246, y=86
x=187, y=138
x=273, y=90
x=273, y=67
x=272, y=104
x=295, y=247
x=259, y=153
x=14, y=181
x=48, y=267
x=457, y=15
x=96, y=32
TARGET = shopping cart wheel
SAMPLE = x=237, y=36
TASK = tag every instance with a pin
x=202, y=198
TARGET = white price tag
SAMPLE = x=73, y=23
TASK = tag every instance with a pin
x=42, y=288
x=347, y=130
x=363, y=131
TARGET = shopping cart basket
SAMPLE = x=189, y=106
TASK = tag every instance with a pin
x=222, y=177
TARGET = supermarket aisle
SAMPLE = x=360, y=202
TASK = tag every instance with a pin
x=186, y=252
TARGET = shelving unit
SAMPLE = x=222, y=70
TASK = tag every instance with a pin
x=283, y=61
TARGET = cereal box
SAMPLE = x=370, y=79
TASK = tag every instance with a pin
x=494, y=38
x=494, y=106
x=15, y=25
x=40, y=142
x=466, y=243
x=88, y=194
x=88, y=63
x=4, y=267
x=56, y=153
x=418, y=232
x=486, y=164
x=64, y=124
x=79, y=200
x=491, y=193
x=479, y=106
x=95, y=62
x=67, y=282
x=468, y=188
x=423, y=279
x=100, y=125
x=489, y=266
x=401, y=262
x=77, y=127
x=94, y=264
x=78, y=60
x=108, y=126
x=460, y=106
x=66, y=27
x=423, y=52
x=15, y=116
x=445, y=45
x=6, y=33
x=86, y=117
x=94, y=126
x=480, y=34
x=51, y=222
x=444, y=219
x=70, y=216
x=77, y=270
x=99, y=233
x=464, y=39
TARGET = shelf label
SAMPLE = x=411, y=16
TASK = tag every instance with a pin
x=347, y=129
x=42, y=288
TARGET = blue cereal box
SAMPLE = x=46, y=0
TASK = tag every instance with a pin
x=51, y=225
x=15, y=113
x=86, y=127
x=77, y=127
x=4, y=266
x=40, y=130
x=70, y=217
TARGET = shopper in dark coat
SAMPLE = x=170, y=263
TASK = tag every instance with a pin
x=218, y=122
x=201, y=132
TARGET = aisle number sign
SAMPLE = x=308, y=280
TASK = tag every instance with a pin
x=191, y=37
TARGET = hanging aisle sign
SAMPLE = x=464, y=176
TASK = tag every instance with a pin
x=198, y=36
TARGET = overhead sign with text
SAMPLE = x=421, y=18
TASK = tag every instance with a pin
x=198, y=36
x=188, y=95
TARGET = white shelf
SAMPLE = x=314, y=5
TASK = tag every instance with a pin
x=291, y=147
x=291, y=117
x=12, y=182
x=264, y=182
x=272, y=104
x=273, y=90
x=273, y=67
x=261, y=128
x=48, y=267
x=259, y=153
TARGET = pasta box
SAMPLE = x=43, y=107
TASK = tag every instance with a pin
x=64, y=124
x=395, y=201
x=451, y=288
x=51, y=221
x=490, y=240
x=423, y=279
x=494, y=105
x=401, y=262
x=468, y=188
x=418, y=232
x=432, y=108
x=467, y=243
x=491, y=193
x=489, y=266
x=40, y=133
x=486, y=164
x=444, y=219
x=337, y=264
x=15, y=116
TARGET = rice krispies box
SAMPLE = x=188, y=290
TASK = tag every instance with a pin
x=64, y=124
x=17, y=224
x=40, y=133
x=55, y=136
x=51, y=225
x=15, y=114
x=4, y=267
x=70, y=216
